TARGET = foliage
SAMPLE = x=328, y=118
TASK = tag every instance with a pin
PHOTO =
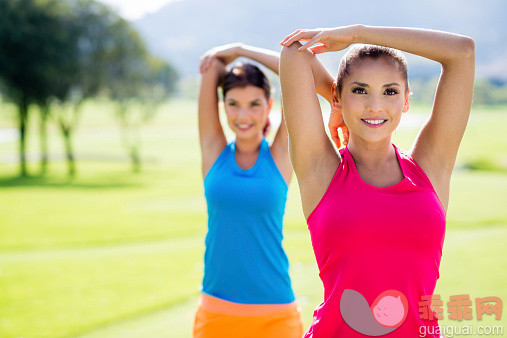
x=59, y=53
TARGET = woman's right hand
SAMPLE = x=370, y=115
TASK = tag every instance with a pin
x=226, y=54
x=330, y=39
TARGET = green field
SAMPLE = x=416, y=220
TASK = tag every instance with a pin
x=115, y=254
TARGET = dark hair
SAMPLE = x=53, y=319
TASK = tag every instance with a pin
x=361, y=52
x=245, y=74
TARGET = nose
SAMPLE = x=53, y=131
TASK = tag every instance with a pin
x=243, y=113
x=375, y=104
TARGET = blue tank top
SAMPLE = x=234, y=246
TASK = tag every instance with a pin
x=244, y=261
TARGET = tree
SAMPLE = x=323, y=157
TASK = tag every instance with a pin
x=84, y=74
x=138, y=83
x=27, y=58
x=58, y=53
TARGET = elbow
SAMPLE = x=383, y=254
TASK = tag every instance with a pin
x=291, y=53
x=467, y=47
x=463, y=53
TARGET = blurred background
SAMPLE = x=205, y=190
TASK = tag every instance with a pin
x=102, y=213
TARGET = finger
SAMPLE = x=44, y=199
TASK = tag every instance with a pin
x=299, y=36
x=209, y=61
x=345, y=141
x=345, y=133
x=204, y=63
x=290, y=36
x=332, y=123
x=311, y=42
x=337, y=141
x=267, y=127
x=333, y=132
x=319, y=49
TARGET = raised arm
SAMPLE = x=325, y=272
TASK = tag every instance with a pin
x=211, y=135
x=279, y=148
x=270, y=59
x=312, y=154
x=436, y=147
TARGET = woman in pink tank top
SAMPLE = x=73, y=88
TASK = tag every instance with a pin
x=376, y=213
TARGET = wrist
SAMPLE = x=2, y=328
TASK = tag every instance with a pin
x=217, y=66
x=240, y=49
x=358, y=33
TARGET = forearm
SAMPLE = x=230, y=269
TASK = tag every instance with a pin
x=322, y=78
x=445, y=48
x=209, y=85
x=271, y=60
x=266, y=57
x=209, y=123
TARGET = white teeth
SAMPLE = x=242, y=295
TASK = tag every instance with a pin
x=375, y=121
x=244, y=126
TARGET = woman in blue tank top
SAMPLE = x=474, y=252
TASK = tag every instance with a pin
x=246, y=289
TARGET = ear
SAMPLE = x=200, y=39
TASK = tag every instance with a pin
x=406, y=105
x=336, y=103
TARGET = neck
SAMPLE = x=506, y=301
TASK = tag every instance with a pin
x=250, y=145
x=371, y=154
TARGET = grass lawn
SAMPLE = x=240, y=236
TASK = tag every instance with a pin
x=115, y=254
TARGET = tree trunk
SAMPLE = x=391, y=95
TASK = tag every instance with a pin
x=130, y=138
x=71, y=164
x=23, y=121
x=136, y=160
x=44, y=112
x=67, y=127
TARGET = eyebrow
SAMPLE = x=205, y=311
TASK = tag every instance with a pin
x=365, y=85
x=256, y=100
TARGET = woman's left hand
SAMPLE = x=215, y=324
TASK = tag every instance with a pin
x=226, y=54
x=331, y=39
x=336, y=122
x=267, y=128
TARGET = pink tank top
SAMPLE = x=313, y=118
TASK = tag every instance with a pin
x=368, y=240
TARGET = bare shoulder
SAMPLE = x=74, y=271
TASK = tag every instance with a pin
x=210, y=151
x=280, y=154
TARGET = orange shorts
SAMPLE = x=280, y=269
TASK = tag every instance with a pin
x=213, y=319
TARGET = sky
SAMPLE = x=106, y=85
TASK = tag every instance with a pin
x=136, y=9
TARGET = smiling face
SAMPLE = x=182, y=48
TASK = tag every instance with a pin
x=372, y=99
x=247, y=110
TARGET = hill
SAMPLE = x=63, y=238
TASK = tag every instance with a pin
x=181, y=31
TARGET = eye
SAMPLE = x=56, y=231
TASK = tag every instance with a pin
x=254, y=104
x=358, y=90
x=231, y=103
x=391, y=91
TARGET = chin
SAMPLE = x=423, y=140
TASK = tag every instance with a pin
x=246, y=135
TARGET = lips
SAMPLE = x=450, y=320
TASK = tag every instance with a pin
x=244, y=126
x=374, y=123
